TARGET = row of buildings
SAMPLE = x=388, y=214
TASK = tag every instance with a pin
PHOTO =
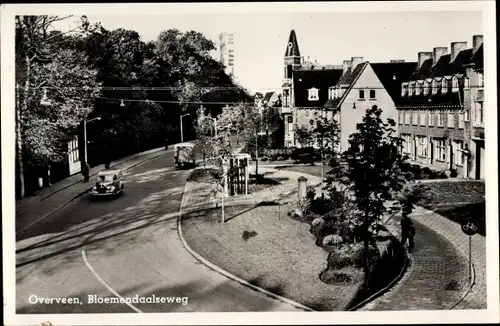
x=437, y=101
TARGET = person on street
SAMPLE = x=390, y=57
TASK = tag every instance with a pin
x=166, y=143
x=407, y=232
x=85, y=171
x=107, y=162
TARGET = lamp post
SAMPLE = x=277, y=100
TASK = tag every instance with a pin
x=182, y=135
x=85, y=121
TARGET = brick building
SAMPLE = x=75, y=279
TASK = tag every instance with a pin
x=440, y=113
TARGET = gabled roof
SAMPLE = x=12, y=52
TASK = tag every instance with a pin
x=478, y=58
x=292, y=47
x=303, y=80
x=349, y=78
x=268, y=96
x=392, y=74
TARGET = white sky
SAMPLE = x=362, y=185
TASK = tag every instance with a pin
x=260, y=38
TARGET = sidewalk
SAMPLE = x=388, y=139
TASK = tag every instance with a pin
x=437, y=275
x=50, y=199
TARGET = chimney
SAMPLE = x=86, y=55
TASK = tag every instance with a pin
x=437, y=53
x=456, y=47
x=346, y=66
x=477, y=40
x=356, y=61
x=397, y=61
x=422, y=57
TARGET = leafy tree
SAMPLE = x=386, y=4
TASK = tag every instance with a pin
x=305, y=136
x=38, y=47
x=372, y=175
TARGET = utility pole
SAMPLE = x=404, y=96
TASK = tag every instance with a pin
x=182, y=134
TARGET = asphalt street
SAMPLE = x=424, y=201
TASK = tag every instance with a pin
x=125, y=248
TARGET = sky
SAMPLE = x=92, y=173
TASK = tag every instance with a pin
x=328, y=37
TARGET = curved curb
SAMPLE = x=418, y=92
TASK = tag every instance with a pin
x=406, y=268
x=81, y=194
x=226, y=273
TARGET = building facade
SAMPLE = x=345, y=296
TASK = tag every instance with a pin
x=440, y=114
x=226, y=51
x=304, y=90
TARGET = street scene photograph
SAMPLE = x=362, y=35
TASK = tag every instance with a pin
x=298, y=161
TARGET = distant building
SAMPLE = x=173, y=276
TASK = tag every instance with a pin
x=226, y=51
x=441, y=115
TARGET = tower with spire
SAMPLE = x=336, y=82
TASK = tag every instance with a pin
x=292, y=55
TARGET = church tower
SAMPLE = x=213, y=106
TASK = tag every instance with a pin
x=292, y=55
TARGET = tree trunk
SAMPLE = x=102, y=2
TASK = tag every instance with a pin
x=19, y=118
x=366, y=253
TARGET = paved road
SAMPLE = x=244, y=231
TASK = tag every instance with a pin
x=121, y=248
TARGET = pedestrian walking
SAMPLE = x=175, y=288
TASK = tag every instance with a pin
x=407, y=232
x=85, y=171
x=166, y=143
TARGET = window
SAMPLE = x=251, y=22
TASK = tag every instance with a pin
x=423, y=115
x=441, y=149
x=330, y=93
x=431, y=119
x=290, y=119
x=434, y=87
x=461, y=120
x=410, y=88
x=401, y=117
x=479, y=113
x=480, y=79
x=417, y=88
x=414, y=120
x=408, y=117
x=404, y=89
x=467, y=115
x=440, y=119
x=307, y=113
x=454, y=84
x=361, y=94
x=313, y=94
x=426, y=87
x=406, y=144
x=450, y=123
x=421, y=146
x=372, y=94
x=73, y=151
x=444, y=85
x=466, y=83
x=458, y=153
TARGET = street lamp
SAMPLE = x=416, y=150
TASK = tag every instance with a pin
x=85, y=121
x=182, y=136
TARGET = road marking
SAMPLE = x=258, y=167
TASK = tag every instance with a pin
x=92, y=270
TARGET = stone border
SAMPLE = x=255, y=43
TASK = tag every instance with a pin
x=222, y=271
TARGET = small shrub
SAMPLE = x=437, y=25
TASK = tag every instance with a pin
x=332, y=240
x=442, y=175
x=317, y=222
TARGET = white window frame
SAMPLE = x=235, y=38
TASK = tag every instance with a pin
x=401, y=118
x=417, y=88
x=430, y=119
x=435, y=87
x=313, y=94
x=441, y=149
x=423, y=118
x=466, y=82
x=408, y=117
x=440, y=119
x=450, y=119
x=414, y=118
x=479, y=113
x=421, y=146
x=480, y=79
x=458, y=147
x=410, y=88
x=461, y=120
x=404, y=89
x=454, y=84
x=426, y=87
x=444, y=86
x=407, y=143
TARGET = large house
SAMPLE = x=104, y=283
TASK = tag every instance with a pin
x=363, y=85
x=305, y=89
x=441, y=117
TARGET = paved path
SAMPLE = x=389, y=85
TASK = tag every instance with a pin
x=435, y=279
x=122, y=248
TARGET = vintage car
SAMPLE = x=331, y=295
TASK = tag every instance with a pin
x=184, y=154
x=108, y=183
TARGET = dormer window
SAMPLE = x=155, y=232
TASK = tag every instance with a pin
x=426, y=86
x=444, y=85
x=313, y=94
x=435, y=87
x=454, y=84
x=336, y=93
x=418, y=87
x=410, y=88
x=404, y=89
